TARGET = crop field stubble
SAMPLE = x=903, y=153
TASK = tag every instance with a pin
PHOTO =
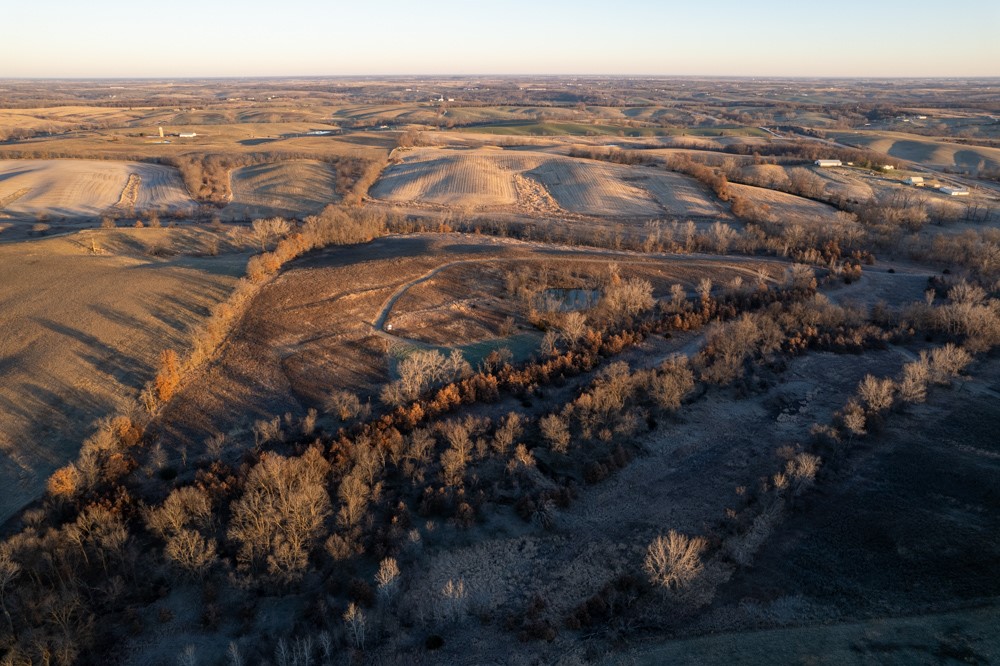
x=924, y=150
x=487, y=178
x=87, y=188
x=285, y=189
x=786, y=207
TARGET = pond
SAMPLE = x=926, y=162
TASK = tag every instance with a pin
x=569, y=300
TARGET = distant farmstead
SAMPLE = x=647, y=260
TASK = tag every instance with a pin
x=954, y=191
x=187, y=135
x=829, y=163
x=916, y=181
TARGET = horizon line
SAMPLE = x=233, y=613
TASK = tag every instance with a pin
x=181, y=77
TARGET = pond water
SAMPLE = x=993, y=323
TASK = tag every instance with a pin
x=570, y=300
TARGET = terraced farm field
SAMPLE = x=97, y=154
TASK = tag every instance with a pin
x=786, y=206
x=939, y=154
x=64, y=118
x=286, y=189
x=532, y=181
x=836, y=182
x=87, y=188
x=459, y=178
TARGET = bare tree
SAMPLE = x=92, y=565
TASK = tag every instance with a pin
x=555, y=429
x=387, y=579
x=876, y=393
x=573, y=327
x=9, y=571
x=673, y=381
x=356, y=623
x=264, y=231
x=507, y=433
x=455, y=600
x=344, y=404
x=674, y=561
x=189, y=506
x=913, y=386
x=281, y=513
x=853, y=416
x=190, y=551
x=628, y=298
x=354, y=494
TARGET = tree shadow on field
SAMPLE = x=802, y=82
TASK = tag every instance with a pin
x=383, y=248
x=88, y=340
x=15, y=174
x=231, y=265
x=386, y=142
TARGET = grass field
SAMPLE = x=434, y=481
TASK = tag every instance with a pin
x=82, y=330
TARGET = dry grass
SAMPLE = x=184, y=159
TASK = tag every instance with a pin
x=312, y=330
x=80, y=331
x=786, y=207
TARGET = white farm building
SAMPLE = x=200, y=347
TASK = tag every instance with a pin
x=954, y=191
x=829, y=163
x=916, y=181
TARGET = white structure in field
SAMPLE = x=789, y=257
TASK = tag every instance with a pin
x=187, y=135
x=916, y=181
x=954, y=191
x=829, y=163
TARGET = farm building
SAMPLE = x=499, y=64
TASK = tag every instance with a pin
x=954, y=191
x=828, y=163
x=187, y=135
x=916, y=181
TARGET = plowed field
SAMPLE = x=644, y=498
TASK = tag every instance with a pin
x=287, y=189
x=86, y=188
x=485, y=179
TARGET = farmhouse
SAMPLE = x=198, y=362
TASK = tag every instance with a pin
x=187, y=135
x=916, y=181
x=828, y=163
x=954, y=191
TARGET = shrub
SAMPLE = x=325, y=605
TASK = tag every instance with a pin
x=168, y=377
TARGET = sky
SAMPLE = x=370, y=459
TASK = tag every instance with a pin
x=190, y=38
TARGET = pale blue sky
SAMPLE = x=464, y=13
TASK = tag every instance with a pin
x=80, y=38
